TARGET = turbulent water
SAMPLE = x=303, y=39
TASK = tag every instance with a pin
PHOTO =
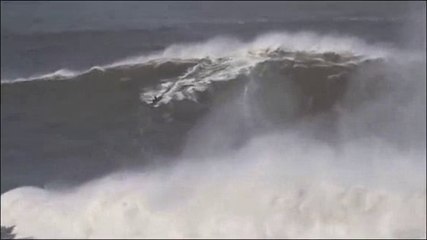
x=288, y=134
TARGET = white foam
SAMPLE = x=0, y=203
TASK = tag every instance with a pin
x=275, y=187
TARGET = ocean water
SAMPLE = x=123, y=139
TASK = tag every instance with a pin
x=213, y=119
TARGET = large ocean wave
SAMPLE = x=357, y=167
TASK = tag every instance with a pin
x=288, y=135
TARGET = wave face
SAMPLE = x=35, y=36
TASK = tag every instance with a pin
x=288, y=135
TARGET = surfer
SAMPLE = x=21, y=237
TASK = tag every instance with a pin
x=156, y=100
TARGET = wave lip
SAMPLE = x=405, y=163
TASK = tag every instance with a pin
x=222, y=47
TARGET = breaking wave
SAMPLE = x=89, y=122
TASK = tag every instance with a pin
x=289, y=135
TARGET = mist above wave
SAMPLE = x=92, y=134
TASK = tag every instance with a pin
x=231, y=47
